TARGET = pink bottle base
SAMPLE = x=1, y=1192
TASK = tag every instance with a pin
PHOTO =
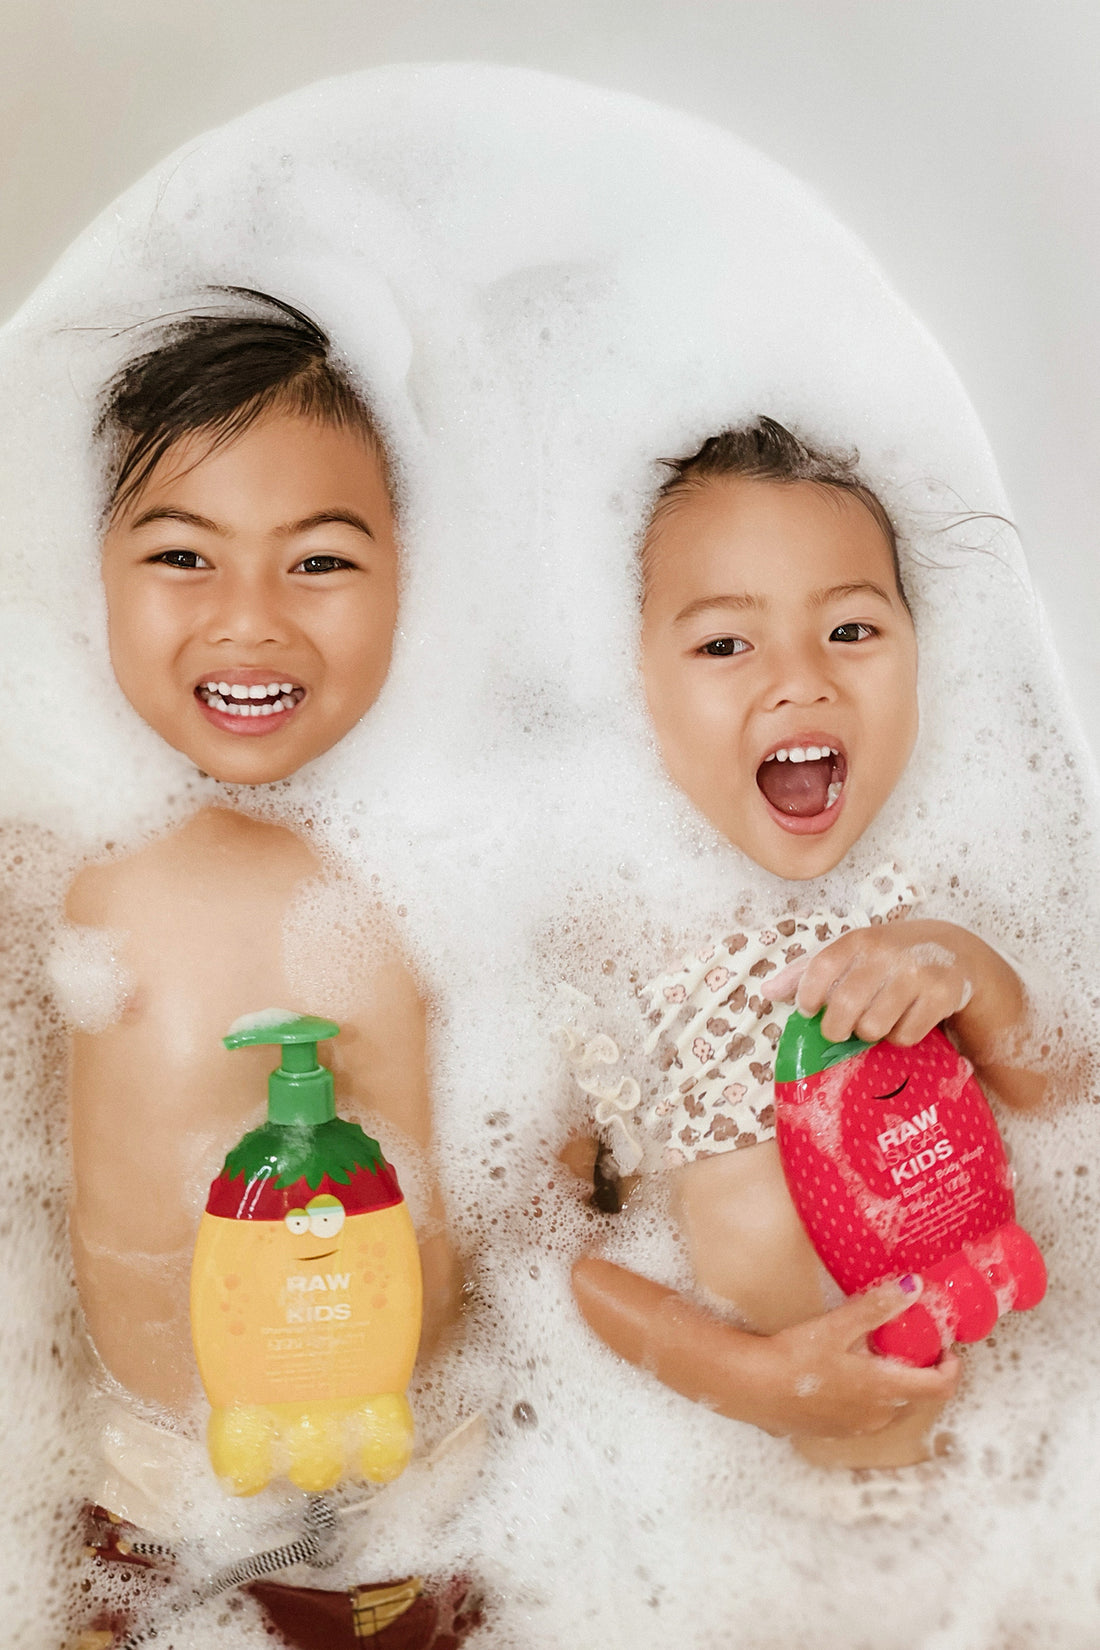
x=964, y=1295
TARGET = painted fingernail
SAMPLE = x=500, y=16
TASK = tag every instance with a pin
x=908, y=1283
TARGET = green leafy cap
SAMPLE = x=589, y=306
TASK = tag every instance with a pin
x=300, y=1090
x=803, y=1049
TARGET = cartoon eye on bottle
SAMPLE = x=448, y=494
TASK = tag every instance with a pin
x=297, y=1221
x=326, y=1215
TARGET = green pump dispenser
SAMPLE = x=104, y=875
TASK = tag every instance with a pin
x=300, y=1090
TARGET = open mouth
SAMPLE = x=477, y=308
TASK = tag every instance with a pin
x=246, y=707
x=803, y=784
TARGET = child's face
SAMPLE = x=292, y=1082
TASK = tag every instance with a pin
x=268, y=564
x=772, y=623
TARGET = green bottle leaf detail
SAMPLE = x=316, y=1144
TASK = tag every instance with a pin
x=804, y=1049
x=336, y=1148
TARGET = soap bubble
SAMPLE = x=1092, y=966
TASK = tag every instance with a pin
x=544, y=288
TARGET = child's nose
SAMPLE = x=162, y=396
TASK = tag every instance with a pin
x=800, y=676
x=248, y=609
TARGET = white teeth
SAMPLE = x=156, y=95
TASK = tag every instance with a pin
x=802, y=753
x=833, y=792
x=236, y=699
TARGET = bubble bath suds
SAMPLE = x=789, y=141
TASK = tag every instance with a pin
x=544, y=288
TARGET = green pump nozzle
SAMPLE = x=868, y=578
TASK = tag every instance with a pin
x=300, y=1090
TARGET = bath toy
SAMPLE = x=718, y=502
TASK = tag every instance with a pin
x=895, y=1165
x=305, y=1287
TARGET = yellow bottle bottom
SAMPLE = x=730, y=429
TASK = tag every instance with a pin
x=315, y=1445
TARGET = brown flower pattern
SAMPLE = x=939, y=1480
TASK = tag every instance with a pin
x=713, y=1027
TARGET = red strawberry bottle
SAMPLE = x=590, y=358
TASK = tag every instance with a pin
x=895, y=1165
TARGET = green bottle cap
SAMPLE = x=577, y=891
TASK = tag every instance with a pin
x=804, y=1049
x=300, y=1090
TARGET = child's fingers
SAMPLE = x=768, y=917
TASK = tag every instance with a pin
x=896, y=998
x=905, y=1007
x=822, y=974
x=918, y=1021
x=785, y=983
x=875, y=993
x=860, y=1314
x=867, y=990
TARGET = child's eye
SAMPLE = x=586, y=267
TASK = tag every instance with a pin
x=723, y=647
x=854, y=632
x=189, y=559
x=322, y=564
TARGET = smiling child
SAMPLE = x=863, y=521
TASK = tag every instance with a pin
x=250, y=563
x=252, y=593
x=779, y=660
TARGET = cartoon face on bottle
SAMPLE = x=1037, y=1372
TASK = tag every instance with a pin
x=321, y=1221
x=316, y=1302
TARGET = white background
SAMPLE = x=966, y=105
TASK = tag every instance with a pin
x=960, y=140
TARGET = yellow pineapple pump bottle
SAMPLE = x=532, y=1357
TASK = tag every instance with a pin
x=305, y=1287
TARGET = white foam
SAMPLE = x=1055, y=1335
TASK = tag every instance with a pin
x=546, y=287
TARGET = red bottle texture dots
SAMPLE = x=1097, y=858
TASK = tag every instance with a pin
x=895, y=1165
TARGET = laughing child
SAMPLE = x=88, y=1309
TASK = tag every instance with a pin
x=250, y=563
x=779, y=660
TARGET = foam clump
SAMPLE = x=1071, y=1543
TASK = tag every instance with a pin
x=261, y=1019
x=543, y=289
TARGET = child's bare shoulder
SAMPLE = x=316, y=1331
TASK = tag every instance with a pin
x=228, y=914
x=215, y=853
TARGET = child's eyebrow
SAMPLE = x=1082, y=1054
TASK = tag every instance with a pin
x=166, y=512
x=321, y=518
x=740, y=603
x=837, y=592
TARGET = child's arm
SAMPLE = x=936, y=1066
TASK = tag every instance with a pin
x=817, y=1378
x=897, y=980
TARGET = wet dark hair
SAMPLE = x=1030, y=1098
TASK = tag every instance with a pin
x=219, y=373
x=766, y=451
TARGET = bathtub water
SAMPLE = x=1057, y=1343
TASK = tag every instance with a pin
x=544, y=287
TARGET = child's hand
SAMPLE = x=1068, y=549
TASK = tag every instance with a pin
x=894, y=981
x=825, y=1380
x=818, y=1378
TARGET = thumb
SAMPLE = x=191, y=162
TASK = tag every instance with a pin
x=785, y=983
x=863, y=1313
